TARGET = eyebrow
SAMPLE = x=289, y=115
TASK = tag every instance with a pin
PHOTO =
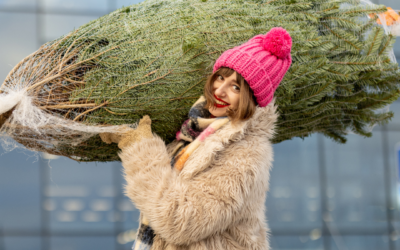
x=232, y=80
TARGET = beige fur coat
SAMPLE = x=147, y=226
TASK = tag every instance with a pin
x=218, y=200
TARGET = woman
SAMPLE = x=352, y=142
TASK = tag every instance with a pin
x=214, y=196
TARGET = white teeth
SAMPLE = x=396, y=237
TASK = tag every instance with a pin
x=219, y=102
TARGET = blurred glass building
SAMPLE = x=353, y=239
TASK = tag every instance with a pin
x=323, y=195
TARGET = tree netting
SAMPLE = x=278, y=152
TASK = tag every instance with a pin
x=153, y=58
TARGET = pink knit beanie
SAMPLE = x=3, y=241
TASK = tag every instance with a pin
x=262, y=61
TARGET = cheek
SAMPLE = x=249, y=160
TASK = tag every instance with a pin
x=235, y=100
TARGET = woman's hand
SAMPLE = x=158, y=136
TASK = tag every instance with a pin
x=125, y=139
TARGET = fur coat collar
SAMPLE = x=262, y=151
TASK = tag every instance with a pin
x=262, y=123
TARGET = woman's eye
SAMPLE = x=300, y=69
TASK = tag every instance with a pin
x=235, y=87
x=220, y=77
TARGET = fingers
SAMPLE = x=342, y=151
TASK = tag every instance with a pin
x=106, y=137
x=144, y=128
x=145, y=121
x=116, y=138
x=124, y=139
x=127, y=139
x=110, y=137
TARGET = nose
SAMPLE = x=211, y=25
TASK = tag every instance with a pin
x=221, y=90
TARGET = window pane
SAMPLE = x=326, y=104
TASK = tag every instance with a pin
x=394, y=160
x=81, y=196
x=126, y=3
x=19, y=243
x=128, y=209
x=392, y=3
x=364, y=242
x=294, y=198
x=19, y=192
x=76, y=5
x=355, y=183
x=394, y=124
x=57, y=25
x=83, y=243
x=304, y=242
x=18, y=40
x=396, y=47
x=18, y=4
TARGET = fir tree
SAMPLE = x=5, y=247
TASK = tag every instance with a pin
x=153, y=58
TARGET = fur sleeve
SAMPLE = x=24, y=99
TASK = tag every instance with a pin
x=186, y=211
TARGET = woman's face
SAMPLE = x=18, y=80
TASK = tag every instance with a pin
x=226, y=93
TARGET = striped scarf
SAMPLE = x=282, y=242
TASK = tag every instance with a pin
x=193, y=132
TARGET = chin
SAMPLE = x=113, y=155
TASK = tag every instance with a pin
x=218, y=112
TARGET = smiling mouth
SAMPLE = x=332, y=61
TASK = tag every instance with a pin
x=220, y=103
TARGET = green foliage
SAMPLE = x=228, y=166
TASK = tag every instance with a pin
x=158, y=54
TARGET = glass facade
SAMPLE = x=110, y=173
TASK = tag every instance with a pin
x=322, y=195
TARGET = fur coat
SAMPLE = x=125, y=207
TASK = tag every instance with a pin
x=218, y=200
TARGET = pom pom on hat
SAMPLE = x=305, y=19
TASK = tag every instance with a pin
x=278, y=42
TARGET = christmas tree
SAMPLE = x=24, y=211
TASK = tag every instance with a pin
x=153, y=58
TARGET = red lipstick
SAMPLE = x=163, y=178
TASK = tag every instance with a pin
x=220, y=105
